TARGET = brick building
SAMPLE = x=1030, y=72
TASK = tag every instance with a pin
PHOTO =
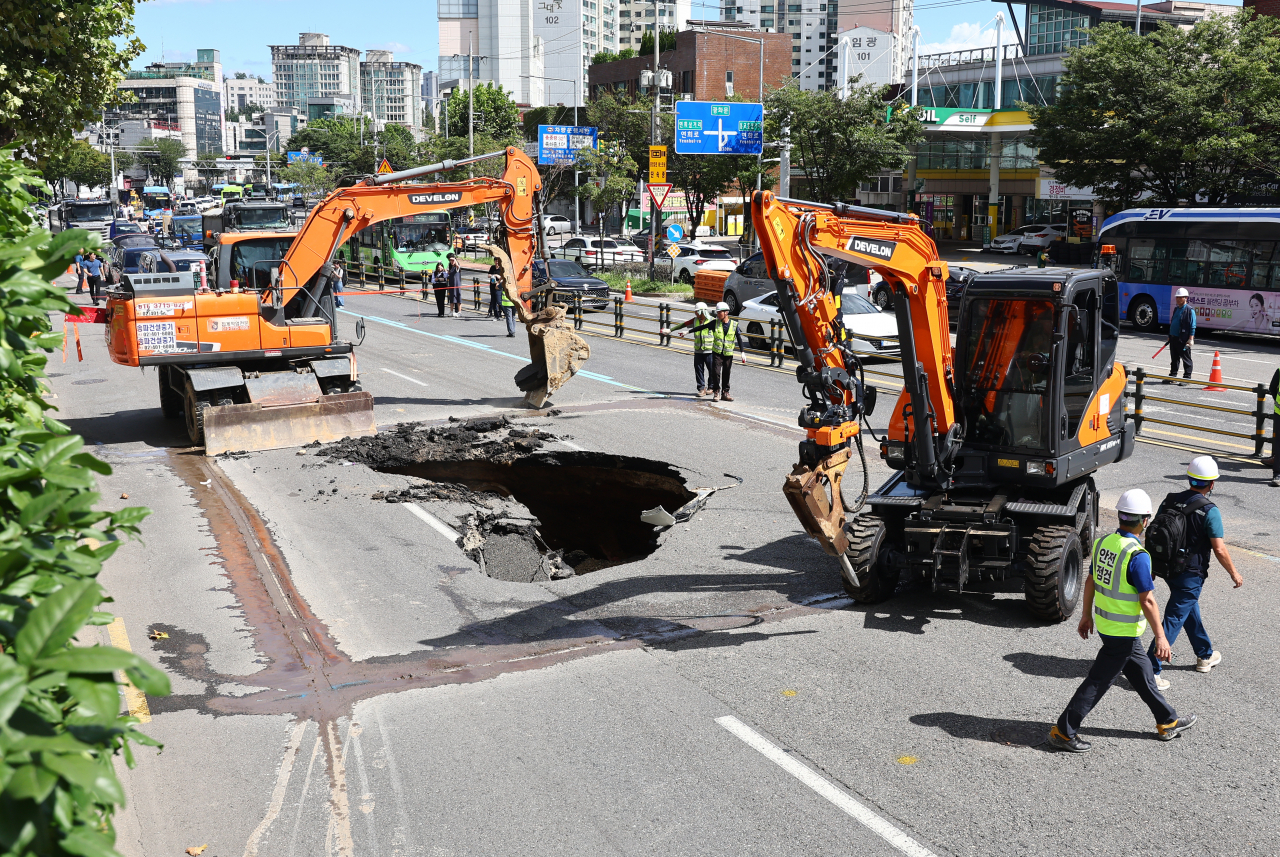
x=1270, y=8
x=706, y=65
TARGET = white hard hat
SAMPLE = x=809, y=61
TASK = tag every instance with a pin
x=722, y=307
x=700, y=307
x=1182, y=293
x=1203, y=468
x=1134, y=502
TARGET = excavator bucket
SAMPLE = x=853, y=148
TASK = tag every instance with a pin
x=286, y=409
x=556, y=352
x=814, y=495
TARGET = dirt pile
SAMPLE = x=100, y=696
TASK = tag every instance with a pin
x=496, y=439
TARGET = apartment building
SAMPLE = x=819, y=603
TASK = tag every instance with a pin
x=313, y=68
x=391, y=91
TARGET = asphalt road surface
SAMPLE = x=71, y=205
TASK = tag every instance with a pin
x=347, y=681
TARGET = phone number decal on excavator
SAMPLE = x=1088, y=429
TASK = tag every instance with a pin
x=157, y=337
x=154, y=308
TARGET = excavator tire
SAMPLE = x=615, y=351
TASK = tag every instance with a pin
x=1056, y=577
x=195, y=405
x=866, y=554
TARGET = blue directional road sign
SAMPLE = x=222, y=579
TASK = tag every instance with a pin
x=304, y=157
x=719, y=128
x=675, y=232
x=559, y=144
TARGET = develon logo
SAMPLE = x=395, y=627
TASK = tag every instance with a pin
x=435, y=198
x=879, y=249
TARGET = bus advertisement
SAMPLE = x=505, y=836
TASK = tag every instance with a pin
x=413, y=243
x=156, y=201
x=1228, y=260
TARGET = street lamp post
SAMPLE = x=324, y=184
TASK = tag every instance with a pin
x=270, y=134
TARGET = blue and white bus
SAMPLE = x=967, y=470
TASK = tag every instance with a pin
x=1228, y=259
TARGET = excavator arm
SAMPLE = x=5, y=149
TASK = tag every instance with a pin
x=307, y=268
x=795, y=236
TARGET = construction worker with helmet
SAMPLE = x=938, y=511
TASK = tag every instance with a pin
x=702, y=342
x=725, y=340
x=1182, y=335
x=1182, y=558
x=1119, y=602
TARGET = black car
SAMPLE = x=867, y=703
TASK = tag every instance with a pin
x=958, y=278
x=571, y=278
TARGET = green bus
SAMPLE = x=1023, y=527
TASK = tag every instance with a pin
x=232, y=192
x=413, y=243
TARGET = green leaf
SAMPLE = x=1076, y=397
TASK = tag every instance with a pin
x=31, y=782
x=149, y=679
x=57, y=619
x=89, y=843
x=90, y=659
x=87, y=774
x=13, y=687
x=98, y=700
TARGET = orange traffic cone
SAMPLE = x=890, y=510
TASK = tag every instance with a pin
x=627, y=297
x=1215, y=376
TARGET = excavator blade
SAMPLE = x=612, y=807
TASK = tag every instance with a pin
x=229, y=428
x=814, y=494
x=556, y=352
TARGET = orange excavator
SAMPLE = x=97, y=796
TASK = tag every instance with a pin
x=994, y=445
x=251, y=354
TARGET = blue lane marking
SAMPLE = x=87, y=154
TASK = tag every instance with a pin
x=594, y=376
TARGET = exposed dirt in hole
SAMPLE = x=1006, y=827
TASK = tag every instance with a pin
x=538, y=513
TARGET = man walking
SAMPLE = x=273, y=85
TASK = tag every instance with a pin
x=93, y=270
x=80, y=272
x=1119, y=602
x=1201, y=533
x=1182, y=335
x=700, y=323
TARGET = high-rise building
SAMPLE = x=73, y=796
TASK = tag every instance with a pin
x=894, y=17
x=179, y=97
x=812, y=26
x=240, y=92
x=500, y=38
x=313, y=68
x=391, y=91
x=636, y=17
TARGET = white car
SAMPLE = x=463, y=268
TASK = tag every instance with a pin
x=695, y=257
x=597, y=252
x=1041, y=235
x=555, y=224
x=1011, y=241
x=875, y=333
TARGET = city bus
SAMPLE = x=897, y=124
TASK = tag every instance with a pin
x=156, y=201
x=1228, y=259
x=413, y=243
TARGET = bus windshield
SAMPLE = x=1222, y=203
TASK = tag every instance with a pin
x=245, y=254
x=89, y=211
x=156, y=199
x=1006, y=362
x=420, y=237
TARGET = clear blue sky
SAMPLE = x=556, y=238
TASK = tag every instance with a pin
x=242, y=29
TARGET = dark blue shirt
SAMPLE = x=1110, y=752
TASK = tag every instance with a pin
x=92, y=267
x=1139, y=572
x=1183, y=317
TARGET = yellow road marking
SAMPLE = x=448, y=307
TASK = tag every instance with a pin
x=134, y=699
x=907, y=760
x=788, y=693
x=1199, y=439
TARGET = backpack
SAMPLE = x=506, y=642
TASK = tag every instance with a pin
x=1166, y=539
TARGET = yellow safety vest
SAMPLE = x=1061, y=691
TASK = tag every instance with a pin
x=702, y=339
x=724, y=341
x=1116, y=608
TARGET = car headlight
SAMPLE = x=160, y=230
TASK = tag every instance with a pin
x=1040, y=468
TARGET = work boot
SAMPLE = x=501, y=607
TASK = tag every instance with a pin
x=726, y=398
x=1268, y=462
x=701, y=392
x=715, y=396
x=1203, y=665
x=1074, y=744
x=1169, y=731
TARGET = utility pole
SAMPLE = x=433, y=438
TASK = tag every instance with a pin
x=471, y=109
x=653, y=141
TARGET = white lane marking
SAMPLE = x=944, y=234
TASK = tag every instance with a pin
x=435, y=523
x=278, y=793
x=339, y=836
x=406, y=377
x=825, y=788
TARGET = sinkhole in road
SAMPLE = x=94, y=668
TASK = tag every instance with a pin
x=587, y=504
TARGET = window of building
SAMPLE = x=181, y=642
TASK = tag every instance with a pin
x=766, y=22
x=795, y=35
x=795, y=73
x=795, y=49
x=1052, y=31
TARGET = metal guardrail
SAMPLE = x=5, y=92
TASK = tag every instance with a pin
x=1259, y=415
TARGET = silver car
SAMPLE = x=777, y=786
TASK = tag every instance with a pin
x=597, y=252
x=749, y=280
x=1011, y=241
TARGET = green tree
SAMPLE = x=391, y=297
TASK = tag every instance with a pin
x=666, y=43
x=626, y=53
x=124, y=162
x=60, y=61
x=612, y=167
x=496, y=115
x=625, y=122
x=703, y=178
x=840, y=143
x=207, y=169
x=1184, y=115
x=162, y=156
x=309, y=177
x=79, y=163
x=603, y=57
x=60, y=726
x=553, y=115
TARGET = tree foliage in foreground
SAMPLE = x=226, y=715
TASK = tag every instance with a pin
x=1184, y=115
x=60, y=721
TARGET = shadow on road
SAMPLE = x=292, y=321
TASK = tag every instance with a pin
x=141, y=425
x=1049, y=666
x=977, y=728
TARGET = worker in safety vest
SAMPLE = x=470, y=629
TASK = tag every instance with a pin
x=1119, y=602
x=1271, y=462
x=725, y=339
x=702, y=341
x=508, y=310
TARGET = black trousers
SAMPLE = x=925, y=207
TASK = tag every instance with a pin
x=95, y=286
x=721, y=364
x=442, y=293
x=1118, y=655
x=1179, y=350
x=702, y=364
x=494, y=309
